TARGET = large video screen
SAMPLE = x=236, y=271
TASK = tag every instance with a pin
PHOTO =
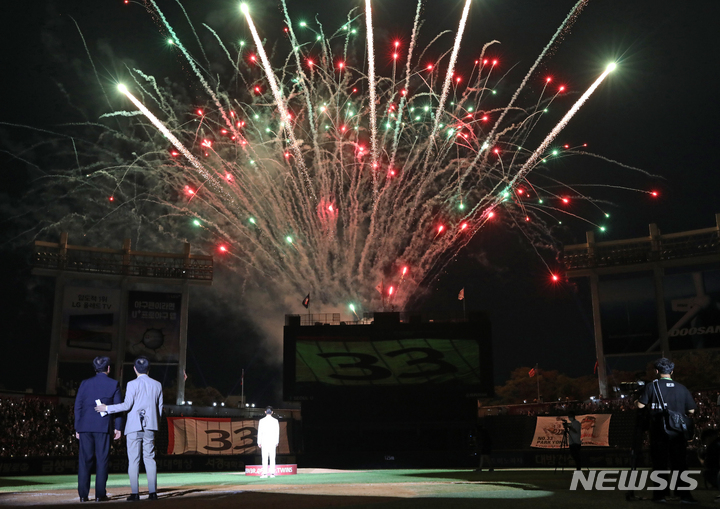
x=422, y=357
x=337, y=361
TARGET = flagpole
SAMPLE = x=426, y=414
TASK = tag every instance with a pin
x=242, y=388
x=382, y=293
x=306, y=305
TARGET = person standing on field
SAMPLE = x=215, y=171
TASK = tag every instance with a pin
x=268, y=438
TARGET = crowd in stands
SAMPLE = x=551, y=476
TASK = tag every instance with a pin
x=708, y=406
x=594, y=406
x=36, y=427
x=706, y=414
x=562, y=407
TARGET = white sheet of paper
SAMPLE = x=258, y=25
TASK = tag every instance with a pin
x=98, y=402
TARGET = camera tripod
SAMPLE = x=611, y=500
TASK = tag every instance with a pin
x=640, y=427
x=563, y=447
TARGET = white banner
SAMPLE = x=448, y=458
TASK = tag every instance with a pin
x=194, y=435
x=549, y=430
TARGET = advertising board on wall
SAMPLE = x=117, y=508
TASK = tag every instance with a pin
x=153, y=326
x=90, y=319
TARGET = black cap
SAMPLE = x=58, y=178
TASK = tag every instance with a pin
x=101, y=364
x=142, y=365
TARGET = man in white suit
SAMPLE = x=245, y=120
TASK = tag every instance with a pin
x=143, y=403
x=268, y=438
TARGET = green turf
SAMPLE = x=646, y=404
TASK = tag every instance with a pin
x=408, y=489
x=61, y=482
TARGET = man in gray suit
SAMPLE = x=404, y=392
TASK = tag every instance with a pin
x=143, y=403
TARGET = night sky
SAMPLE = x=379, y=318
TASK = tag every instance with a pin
x=657, y=112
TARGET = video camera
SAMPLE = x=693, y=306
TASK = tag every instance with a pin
x=631, y=390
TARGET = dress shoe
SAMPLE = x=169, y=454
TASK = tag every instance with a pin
x=102, y=499
x=84, y=499
x=152, y=496
x=134, y=497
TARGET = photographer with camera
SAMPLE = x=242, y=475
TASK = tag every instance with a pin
x=573, y=430
x=669, y=403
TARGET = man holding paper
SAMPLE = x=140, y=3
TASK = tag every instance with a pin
x=93, y=430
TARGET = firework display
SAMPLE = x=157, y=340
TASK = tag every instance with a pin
x=311, y=172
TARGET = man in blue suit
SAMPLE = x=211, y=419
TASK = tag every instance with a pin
x=94, y=429
x=143, y=403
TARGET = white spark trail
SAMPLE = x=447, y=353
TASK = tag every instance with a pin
x=451, y=67
x=196, y=70
x=493, y=136
x=408, y=68
x=573, y=14
x=297, y=207
x=530, y=163
x=304, y=81
x=373, y=92
x=170, y=136
x=285, y=117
